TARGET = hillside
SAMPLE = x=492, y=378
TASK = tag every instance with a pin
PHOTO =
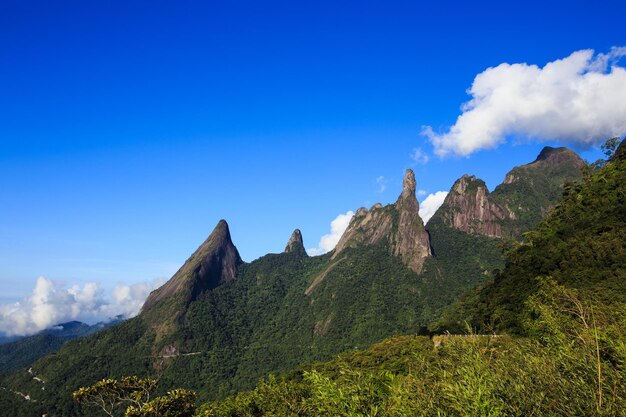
x=445, y=376
x=23, y=351
x=582, y=245
x=219, y=323
x=563, y=289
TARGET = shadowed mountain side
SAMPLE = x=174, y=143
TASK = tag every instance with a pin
x=295, y=244
x=213, y=263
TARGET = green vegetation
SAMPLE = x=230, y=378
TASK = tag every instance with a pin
x=535, y=187
x=264, y=323
x=271, y=319
x=572, y=365
x=461, y=262
x=582, y=245
x=23, y=351
x=563, y=288
x=133, y=395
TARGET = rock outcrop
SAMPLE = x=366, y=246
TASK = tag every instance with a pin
x=295, y=244
x=469, y=207
x=399, y=223
x=526, y=196
x=531, y=190
x=410, y=240
x=215, y=262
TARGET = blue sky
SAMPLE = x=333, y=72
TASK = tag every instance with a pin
x=128, y=129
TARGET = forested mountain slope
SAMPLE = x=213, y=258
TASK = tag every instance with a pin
x=219, y=323
x=582, y=245
x=563, y=290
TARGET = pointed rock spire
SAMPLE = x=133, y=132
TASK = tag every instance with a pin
x=411, y=241
x=295, y=244
x=408, y=185
x=216, y=261
x=400, y=224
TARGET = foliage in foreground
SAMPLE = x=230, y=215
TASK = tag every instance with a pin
x=572, y=366
x=133, y=395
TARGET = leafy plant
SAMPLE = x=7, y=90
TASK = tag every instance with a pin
x=133, y=395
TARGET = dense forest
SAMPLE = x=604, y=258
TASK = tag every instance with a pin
x=557, y=343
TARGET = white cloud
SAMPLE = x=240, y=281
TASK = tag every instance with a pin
x=429, y=206
x=52, y=302
x=329, y=241
x=382, y=184
x=419, y=156
x=578, y=99
x=421, y=193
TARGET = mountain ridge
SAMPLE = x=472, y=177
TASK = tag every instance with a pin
x=245, y=320
x=515, y=205
x=399, y=223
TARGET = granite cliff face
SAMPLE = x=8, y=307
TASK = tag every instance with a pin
x=531, y=190
x=399, y=223
x=295, y=244
x=216, y=261
x=525, y=197
x=469, y=207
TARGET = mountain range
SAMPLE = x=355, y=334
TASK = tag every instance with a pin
x=19, y=352
x=220, y=323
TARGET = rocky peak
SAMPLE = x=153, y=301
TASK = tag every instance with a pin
x=530, y=191
x=361, y=212
x=411, y=242
x=399, y=224
x=295, y=244
x=460, y=185
x=215, y=262
x=554, y=161
x=557, y=155
x=408, y=185
x=469, y=207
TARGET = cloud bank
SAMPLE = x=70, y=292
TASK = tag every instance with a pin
x=578, y=99
x=52, y=302
x=429, y=206
x=329, y=241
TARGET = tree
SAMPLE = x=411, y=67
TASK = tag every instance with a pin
x=134, y=394
x=608, y=149
x=610, y=146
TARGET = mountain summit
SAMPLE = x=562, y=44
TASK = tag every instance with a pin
x=222, y=324
x=400, y=224
x=558, y=155
x=295, y=244
x=470, y=208
x=526, y=195
x=216, y=261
